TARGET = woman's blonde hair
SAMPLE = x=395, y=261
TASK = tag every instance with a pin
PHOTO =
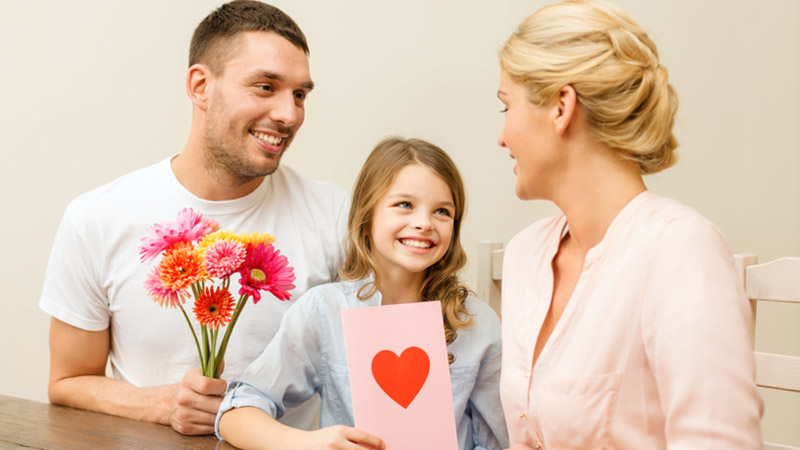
x=613, y=66
x=377, y=175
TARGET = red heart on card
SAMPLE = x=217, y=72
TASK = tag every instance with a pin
x=401, y=377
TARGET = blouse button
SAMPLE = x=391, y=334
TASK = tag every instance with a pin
x=521, y=415
x=538, y=446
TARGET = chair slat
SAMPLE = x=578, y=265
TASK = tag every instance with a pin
x=778, y=371
x=771, y=446
x=777, y=280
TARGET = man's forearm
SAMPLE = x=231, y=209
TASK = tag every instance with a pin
x=115, y=397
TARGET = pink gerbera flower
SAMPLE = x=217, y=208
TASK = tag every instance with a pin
x=224, y=257
x=189, y=226
x=161, y=293
x=265, y=269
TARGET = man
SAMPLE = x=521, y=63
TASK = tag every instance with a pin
x=248, y=80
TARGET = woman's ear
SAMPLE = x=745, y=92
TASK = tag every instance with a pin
x=566, y=102
x=197, y=85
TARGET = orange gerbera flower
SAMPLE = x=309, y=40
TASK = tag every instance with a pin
x=213, y=308
x=181, y=267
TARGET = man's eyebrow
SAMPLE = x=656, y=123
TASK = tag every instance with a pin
x=308, y=85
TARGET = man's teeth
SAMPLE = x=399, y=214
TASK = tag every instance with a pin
x=271, y=140
x=416, y=244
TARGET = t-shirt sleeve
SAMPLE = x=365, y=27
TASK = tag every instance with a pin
x=695, y=325
x=72, y=290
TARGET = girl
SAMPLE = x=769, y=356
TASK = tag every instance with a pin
x=625, y=324
x=403, y=246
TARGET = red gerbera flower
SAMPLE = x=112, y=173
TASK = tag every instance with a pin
x=265, y=269
x=213, y=308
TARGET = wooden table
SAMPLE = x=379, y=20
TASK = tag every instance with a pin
x=29, y=424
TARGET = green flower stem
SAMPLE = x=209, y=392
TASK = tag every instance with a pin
x=227, y=336
x=212, y=363
x=206, y=354
x=194, y=335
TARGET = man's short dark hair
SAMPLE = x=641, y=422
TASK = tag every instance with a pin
x=221, y=27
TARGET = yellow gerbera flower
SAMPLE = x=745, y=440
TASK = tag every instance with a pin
x=256, y=238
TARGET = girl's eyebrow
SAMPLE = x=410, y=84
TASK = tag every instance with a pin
x=400, y=194
x=403, y=195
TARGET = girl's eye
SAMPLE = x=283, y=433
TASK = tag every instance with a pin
x=406, y=205
x=443, y=212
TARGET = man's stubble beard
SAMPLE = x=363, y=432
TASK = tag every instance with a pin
x=229, y=165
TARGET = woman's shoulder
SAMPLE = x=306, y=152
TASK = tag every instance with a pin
x=670, y=222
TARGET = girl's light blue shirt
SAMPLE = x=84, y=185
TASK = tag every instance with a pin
x=307, y=356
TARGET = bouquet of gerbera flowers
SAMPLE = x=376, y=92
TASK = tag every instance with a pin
x=197, y=261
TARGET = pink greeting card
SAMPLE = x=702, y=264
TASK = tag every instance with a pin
x=399, y=375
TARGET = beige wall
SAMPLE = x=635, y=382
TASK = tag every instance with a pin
x=91, y=89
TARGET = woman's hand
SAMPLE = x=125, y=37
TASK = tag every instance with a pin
x=340, y=437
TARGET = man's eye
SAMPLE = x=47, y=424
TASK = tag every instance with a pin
x=300, y=95
x=267, y=88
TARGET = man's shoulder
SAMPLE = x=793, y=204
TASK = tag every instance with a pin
x=129, y=185
x=117, y=198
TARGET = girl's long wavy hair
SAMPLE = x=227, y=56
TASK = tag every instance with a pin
x=377, y=175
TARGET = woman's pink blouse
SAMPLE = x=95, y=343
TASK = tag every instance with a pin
x=652, y=350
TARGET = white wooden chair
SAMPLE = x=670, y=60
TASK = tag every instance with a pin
x=490, y=272
x=775, y=281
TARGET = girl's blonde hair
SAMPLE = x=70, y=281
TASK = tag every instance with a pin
x=377, y=175
x=613, y=66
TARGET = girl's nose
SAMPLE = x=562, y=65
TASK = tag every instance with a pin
x=422, y=222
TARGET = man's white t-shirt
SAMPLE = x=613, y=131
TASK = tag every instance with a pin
x=95, y=279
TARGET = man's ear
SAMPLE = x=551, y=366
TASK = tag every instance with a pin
x=198, y=79
x=566, y=102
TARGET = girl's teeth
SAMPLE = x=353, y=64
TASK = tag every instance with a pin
x=271, y=140
x=416, y=244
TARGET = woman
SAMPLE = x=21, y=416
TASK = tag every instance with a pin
x=624, y=322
